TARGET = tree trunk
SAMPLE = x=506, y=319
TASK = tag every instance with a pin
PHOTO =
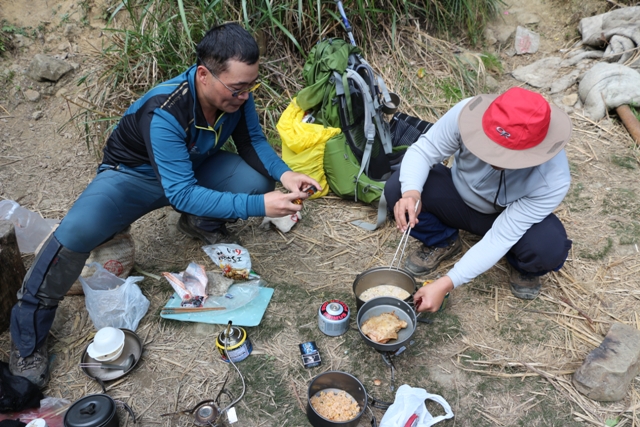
x=12, y=272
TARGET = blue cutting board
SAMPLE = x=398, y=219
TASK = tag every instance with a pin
x=248, y=315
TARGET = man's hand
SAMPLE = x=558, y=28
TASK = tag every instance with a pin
x=407, y=207
x=430, y=297
x=278, y=204
x=296, y=182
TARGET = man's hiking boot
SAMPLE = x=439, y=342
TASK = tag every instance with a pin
x=426, y=259
x=188, y=225
x=35, y=368
x=524, y=286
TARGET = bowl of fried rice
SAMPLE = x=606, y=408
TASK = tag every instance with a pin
x=336, y=399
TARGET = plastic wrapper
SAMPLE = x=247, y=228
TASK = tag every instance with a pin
x=51, y=409
x=237, y=295
x=31, y=229
x=112, y=301
x=190, y=285
x=234, y=260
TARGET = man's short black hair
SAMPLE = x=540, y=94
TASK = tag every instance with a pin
x=225, y=42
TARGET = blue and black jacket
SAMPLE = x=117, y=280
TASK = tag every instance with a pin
x=165, y=134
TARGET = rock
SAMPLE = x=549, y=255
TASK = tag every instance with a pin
x=489, y=37
x=37, y=115
x=32, y=95
x=69, y=30
x=570, y=99
x=504, y=33
x=565, y=82
x=608, y=370
x=21, y=41
x=63, y=47
x=540, y=74
x=526, y=41
x=491, y=84
x=44, y=67
x=60, y=93
x=528, y=18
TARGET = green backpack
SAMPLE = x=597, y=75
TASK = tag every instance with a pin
x=343, y=91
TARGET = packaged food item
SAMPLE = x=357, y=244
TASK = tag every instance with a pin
x=191, y=285
x=234, y=260
x=310, y=354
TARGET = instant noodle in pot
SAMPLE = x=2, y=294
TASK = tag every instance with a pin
x=234, y=260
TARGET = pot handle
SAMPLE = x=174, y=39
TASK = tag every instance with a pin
x=378, y=403
x=374, y=422
x=128, y=409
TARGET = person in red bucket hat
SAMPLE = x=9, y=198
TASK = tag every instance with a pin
x=510, y=172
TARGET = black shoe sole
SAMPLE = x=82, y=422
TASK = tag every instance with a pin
x=524, y=293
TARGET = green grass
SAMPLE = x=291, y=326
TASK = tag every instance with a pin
x=152, y=40
x=627, y=162
x=574, y=199
x=600, y=253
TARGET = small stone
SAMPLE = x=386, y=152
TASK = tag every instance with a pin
x=503, y=34
x=60, y=93
x=68, y=30
x=377, y=382
x=570, y=99
x=32, y=95
x=491, y=84
x=37, y=115
x=62, y=47
x=609, y=369
x=528, y=19
x=526, y=41
x=489, y=37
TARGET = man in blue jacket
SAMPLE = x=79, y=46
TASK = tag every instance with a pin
x=510, y=173
x=165, y=151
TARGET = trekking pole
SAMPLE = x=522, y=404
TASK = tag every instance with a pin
x=345, y=21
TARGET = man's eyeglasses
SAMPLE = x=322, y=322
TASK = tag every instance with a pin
x=234, y=92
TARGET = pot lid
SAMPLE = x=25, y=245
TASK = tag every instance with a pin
x=90, y=411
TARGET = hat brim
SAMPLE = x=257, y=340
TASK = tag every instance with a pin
x=474, y=138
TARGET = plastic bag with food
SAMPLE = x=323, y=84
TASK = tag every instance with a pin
x=234, y=260
x=190, y=285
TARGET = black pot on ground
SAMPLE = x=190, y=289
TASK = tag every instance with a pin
x=336, y=381
x=96, y=410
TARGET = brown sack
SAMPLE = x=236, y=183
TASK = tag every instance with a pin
x=116, y=256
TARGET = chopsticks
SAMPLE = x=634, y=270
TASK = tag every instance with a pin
x=403, y=243
x=180, y=310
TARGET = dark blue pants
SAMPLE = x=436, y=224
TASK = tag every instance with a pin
x=113, y=200
x=543, y=248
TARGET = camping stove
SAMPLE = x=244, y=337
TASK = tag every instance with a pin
x=388, y=358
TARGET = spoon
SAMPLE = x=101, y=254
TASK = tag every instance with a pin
x=128, y=363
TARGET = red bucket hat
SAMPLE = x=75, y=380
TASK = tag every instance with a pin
x=515, y=130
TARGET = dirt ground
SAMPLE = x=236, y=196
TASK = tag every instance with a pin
x=495, y=359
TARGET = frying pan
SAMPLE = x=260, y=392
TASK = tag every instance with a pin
x=379, y=305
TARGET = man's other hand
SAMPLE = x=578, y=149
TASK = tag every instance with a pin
x=296, y=182
x=430, y=297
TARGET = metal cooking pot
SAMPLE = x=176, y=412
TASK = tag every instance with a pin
x=96, y=410
x=383, y=276
x=402, y=309
x=336, y=381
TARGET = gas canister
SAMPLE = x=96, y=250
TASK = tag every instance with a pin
x=333, y=317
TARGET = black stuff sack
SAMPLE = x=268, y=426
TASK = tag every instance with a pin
x=17, y=393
